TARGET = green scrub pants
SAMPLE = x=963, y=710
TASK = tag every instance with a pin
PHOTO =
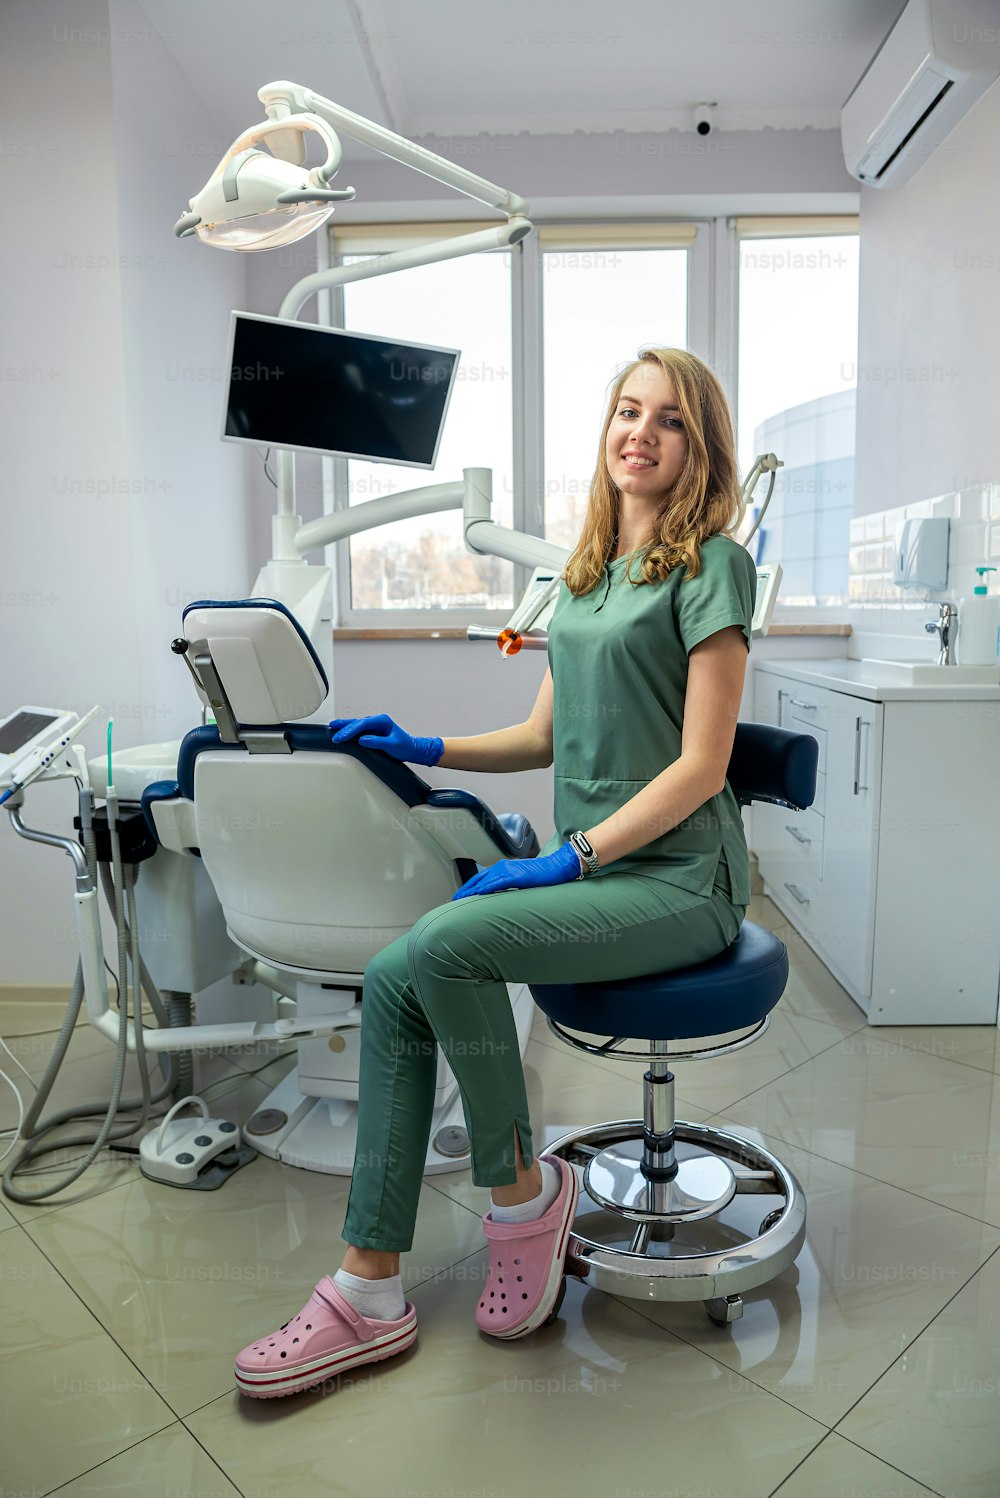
x=445, y=984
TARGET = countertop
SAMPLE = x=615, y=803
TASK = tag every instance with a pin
x=874, y=682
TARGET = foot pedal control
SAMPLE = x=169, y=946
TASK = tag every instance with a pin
x=198, y=1154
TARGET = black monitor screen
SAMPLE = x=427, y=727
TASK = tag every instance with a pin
x=21, y=729
x=295, y=385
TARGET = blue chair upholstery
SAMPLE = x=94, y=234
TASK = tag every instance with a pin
x=728, y=992
x=512, y=833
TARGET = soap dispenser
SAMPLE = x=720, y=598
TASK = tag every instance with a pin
x=979, y=626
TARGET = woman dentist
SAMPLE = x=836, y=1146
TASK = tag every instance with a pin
x=648, y=870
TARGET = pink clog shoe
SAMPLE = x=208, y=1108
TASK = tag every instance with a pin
x=525, y=1284
x=327, y=1337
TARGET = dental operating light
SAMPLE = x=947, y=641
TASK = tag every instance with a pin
x=258, y=199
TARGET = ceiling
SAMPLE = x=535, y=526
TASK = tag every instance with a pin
x=457, y=68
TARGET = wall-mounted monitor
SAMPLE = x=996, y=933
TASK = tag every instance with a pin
x=311, y=389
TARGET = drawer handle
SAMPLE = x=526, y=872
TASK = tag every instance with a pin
x=859, y=723
x=798, y=702
x=799, y=836
x=801, y=898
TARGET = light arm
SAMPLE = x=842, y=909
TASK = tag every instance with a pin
x=283, y=98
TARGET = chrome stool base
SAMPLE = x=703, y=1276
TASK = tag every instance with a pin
x=716, y=1277
x=703, y=1185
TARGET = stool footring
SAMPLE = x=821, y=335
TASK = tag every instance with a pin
x=651, y=1264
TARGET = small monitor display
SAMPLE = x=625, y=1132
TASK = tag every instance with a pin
x=296, y=385
x=21, y=729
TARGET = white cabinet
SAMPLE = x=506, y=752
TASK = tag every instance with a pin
x=891, y=874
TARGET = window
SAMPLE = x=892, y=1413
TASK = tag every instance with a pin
x=408, y=567
x=544, y=327
x=798, y=342
x=601, y=302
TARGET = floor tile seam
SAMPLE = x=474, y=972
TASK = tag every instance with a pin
x=771, y=1081
x=864, y=1174
x=913, y=1049
x=794, y=1067
x=215, y=1463
x=905, y=1352
x=776, y=1492
x=430, y=1278
x=820, y=1019
x=834, y=1426
x=53, y=1208
x=50, y=1492
x=840, y=1039
x=456, y=1203
x=106, y=1330
x=806, y=1061
x=640, y=1310
x=830, y=1429
x=150, y=1057
x=908, y=1475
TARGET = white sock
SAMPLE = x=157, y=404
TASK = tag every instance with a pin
x=526, y=1211
x=379, y=1300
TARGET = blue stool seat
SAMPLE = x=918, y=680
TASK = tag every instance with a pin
x=728, y=992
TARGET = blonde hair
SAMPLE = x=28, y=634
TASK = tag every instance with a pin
x=705, y=500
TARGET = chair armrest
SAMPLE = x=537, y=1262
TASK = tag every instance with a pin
x=170, y=817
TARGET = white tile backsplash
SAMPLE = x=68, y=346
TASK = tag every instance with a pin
x=888, y=621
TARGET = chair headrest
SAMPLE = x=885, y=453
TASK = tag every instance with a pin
x=263, y=658
x=773, y=764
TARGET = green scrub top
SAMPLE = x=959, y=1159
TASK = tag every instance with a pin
x=619, y=662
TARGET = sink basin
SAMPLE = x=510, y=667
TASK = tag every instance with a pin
x=928, y=673
x=133, y=769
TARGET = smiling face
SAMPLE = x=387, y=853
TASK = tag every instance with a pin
x=646, y=444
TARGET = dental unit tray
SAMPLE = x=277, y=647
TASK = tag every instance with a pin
x=197, y=1153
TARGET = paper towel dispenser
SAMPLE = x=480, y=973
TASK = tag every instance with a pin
x=920, y=553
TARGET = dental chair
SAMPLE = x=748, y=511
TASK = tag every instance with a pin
x=649, y=1223
x=320, y=856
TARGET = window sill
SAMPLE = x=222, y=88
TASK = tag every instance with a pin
x=459, y=632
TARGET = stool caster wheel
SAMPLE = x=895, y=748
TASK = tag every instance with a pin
x=724, y=1309
x=559, y=1300
x=769, y=1221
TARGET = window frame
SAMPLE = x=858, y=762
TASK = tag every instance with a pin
x=773, y=226
x=713, y=334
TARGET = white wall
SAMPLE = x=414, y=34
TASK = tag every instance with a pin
x=118, y=499
x=190, y=526
x=675, y=173
x=929, y=322
x=927, y=437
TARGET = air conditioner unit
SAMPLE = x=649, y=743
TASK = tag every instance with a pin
x=939, y=57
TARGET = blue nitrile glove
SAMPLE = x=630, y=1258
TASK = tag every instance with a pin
x=524, y=873
x=380, y=732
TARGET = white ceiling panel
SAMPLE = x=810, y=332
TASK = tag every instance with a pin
x=460, y=67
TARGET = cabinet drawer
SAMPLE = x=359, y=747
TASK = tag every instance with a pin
x=802, y=835
x=799, y=725
x=800, y=706
x=793, y=886
x=819, y=800
x=801, y=892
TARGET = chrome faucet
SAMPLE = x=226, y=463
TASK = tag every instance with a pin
x=944, y=625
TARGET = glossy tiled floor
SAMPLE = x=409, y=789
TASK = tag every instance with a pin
x=870, y=1369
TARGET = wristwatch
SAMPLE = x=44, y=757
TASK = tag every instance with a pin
x=587, y=855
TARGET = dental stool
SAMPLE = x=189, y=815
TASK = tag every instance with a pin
x=649, y=1176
